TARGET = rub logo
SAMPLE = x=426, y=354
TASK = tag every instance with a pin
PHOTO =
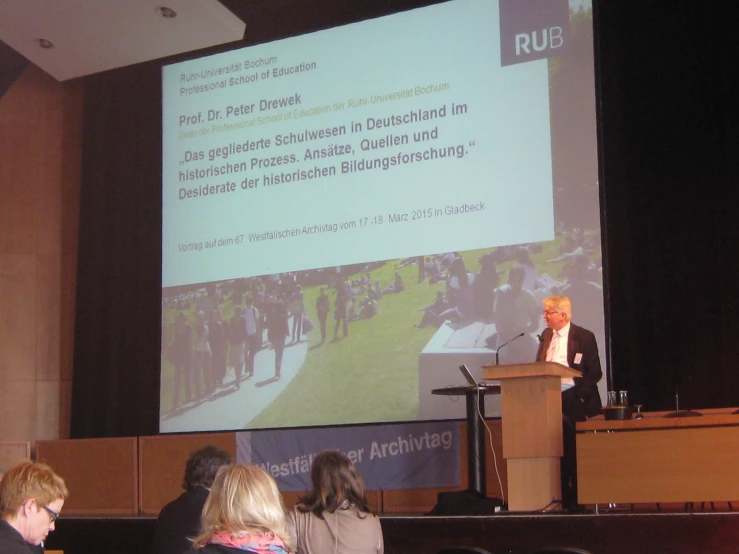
x=533, y=29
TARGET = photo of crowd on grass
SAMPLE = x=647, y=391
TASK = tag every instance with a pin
x=341, y=344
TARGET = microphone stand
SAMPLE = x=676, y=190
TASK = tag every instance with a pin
x=497, y=350
x=683, y=413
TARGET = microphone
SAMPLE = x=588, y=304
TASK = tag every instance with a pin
x=497, y=351
x=682, y=413
x=540, y=338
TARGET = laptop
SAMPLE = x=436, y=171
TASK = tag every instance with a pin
x=470, y=378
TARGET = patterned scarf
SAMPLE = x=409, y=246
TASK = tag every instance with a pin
x=260, y=543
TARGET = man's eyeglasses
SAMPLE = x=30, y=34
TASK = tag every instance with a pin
x=550, y=312
x=52, y=514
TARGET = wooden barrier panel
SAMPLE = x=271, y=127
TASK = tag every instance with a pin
x=162, y=460
x=13, y=452
x=132, y=476
x=101, y=474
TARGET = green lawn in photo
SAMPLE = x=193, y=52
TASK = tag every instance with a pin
x=371, y=375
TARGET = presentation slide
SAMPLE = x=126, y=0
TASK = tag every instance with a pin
x=349, y=215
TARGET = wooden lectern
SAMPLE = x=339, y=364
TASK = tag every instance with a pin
x=531, y=412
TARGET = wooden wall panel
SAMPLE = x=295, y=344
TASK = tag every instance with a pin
x=48, y=398
x=48, y=319
x=18, y=409
x=13, y=452
x=18, y=297
x=162, y=460
x=40, y=167
x=101, y=474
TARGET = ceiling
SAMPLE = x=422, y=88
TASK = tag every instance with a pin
x=90, y=36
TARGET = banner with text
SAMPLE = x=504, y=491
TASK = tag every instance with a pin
x=403, y=456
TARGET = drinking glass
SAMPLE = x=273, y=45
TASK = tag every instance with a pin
x=612, y=401
x=623, y=398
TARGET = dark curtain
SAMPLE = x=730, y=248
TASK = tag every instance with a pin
x=668, y=177
x=668, y=167
x=117, y=344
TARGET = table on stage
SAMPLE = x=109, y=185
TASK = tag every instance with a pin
x=659, y=459
x=475, y=402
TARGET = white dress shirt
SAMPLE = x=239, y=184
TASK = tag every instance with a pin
x=557, y=352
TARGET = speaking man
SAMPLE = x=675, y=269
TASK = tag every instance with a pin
x=573, y=346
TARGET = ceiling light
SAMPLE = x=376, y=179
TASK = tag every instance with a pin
x=45, y=43
x=167, y=13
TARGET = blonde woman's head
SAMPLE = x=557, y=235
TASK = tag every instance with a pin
x=243, y=499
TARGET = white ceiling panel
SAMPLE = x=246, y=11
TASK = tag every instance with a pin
x=91, y=36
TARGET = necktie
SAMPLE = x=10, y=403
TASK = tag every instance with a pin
x=553, y=347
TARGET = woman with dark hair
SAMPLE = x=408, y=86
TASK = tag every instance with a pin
x=484, y=285
x=523, y=258
x=335, y=516
x=244, y=513
x=459, y=293
x=459, y=277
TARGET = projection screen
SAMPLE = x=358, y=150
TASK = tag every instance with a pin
x=349, y=215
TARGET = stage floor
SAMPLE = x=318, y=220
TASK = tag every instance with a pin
x=617, y=532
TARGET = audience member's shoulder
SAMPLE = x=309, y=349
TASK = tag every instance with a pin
x=193, y=499
x=297, y=511
x=213, y=549
x=11, y=542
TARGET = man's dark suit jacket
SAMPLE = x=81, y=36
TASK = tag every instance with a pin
x=579, y=341
x=179, y=520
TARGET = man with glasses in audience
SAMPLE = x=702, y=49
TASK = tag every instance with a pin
x=573, y=346
x=31, y=497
